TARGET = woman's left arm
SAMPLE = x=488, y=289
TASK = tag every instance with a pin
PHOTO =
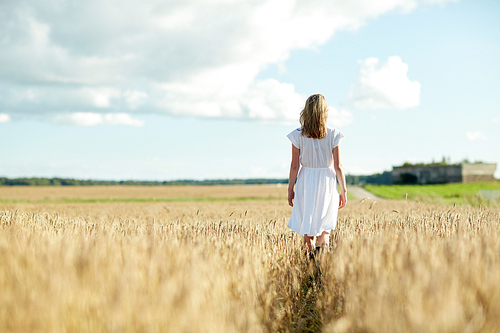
x=339, y=171
x=294, y=170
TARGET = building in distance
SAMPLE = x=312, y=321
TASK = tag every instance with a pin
x=439, y=173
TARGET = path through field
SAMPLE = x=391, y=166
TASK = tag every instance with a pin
x=360, y=193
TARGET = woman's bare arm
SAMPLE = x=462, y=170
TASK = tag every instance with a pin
x=294, y=170
x=339, y=170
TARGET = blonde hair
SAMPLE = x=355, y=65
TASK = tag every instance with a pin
x=314, y=116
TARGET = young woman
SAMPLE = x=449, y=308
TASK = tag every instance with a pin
x=316, y=152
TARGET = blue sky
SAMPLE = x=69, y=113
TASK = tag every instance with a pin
x=209, y=89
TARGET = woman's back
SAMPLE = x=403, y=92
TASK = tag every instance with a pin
x=316, y=153
x=312, y=188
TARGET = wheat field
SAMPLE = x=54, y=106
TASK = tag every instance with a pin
x=220, y=259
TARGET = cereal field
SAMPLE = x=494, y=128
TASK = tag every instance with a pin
x=220, y=259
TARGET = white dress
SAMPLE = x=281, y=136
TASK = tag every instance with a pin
x=316, y=201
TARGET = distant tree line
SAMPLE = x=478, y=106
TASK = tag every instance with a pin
x=77, y=182
x=383, y=178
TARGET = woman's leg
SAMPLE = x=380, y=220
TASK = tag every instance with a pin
x=324, y=239
x=309, y=241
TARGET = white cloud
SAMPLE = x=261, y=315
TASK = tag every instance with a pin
x=122, y=119
x=273, y=101
x=184, y=57
x=476, y=136
x=339, y=118
x=4, y=118
x=135, y=98
x=101, y=98
x=439, y=2
x=384, y=85
x=79, y=119
x=92, y=119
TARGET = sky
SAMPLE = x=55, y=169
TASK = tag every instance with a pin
x=209, y=89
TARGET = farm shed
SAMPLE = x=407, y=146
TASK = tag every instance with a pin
x=436, y=174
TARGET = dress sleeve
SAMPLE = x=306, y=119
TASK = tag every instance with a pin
x=294, y=138
x=337, y=136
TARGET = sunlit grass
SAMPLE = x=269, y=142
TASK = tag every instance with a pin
x=234, y=266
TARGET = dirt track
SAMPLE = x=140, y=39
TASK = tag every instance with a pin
x=360, y=193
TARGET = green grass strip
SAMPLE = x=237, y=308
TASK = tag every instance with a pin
x=464, y=193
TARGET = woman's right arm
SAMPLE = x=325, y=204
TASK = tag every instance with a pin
x=339, y=171
x=294, y=170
